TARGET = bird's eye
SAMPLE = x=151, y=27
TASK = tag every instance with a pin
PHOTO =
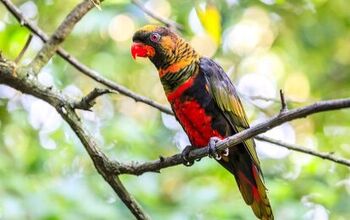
x=155, y=37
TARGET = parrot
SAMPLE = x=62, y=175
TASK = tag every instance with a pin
x=206, y=104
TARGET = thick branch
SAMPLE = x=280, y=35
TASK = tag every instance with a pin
x=101, y=161
x=79, y=66
x=287, y=115
x=50, y=47
x=23, y=81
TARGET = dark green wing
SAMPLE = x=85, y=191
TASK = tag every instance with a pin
x=225, y=96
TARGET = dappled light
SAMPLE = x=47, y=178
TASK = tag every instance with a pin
x=121, y=28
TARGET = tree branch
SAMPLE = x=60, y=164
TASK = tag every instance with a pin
x=326, y=156
x=81, y=67
x=232, y=141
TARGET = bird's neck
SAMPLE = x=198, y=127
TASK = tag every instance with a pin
x=181, y=66
x=178, y=73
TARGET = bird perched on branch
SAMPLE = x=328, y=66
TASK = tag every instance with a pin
x=206, y=104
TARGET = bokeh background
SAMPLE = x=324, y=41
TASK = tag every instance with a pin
x=302, y=47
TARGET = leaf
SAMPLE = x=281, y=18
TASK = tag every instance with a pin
x=210, y=19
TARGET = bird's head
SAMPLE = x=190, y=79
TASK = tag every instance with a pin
x=160, y=44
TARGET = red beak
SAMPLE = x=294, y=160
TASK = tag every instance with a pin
x=141, y=50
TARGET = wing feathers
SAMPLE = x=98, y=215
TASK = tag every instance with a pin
x=225, y=96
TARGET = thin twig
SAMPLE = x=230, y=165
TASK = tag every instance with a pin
x=88, y=101
x=167, y=22
x=283, y=102
x=20, y=55
x=325, y=156
x=80, y=66
x=112, y=85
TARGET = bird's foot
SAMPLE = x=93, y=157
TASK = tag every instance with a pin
x=185, y=153
x=212, y=152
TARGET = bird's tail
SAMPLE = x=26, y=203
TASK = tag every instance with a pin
x=249, y=180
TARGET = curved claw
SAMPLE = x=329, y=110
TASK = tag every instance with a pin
x=212, y=148
x=184, y=155
x=226, y=152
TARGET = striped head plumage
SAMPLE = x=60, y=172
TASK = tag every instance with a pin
x=167, y=50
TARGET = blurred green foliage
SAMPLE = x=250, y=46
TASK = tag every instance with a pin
x=300, y=46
